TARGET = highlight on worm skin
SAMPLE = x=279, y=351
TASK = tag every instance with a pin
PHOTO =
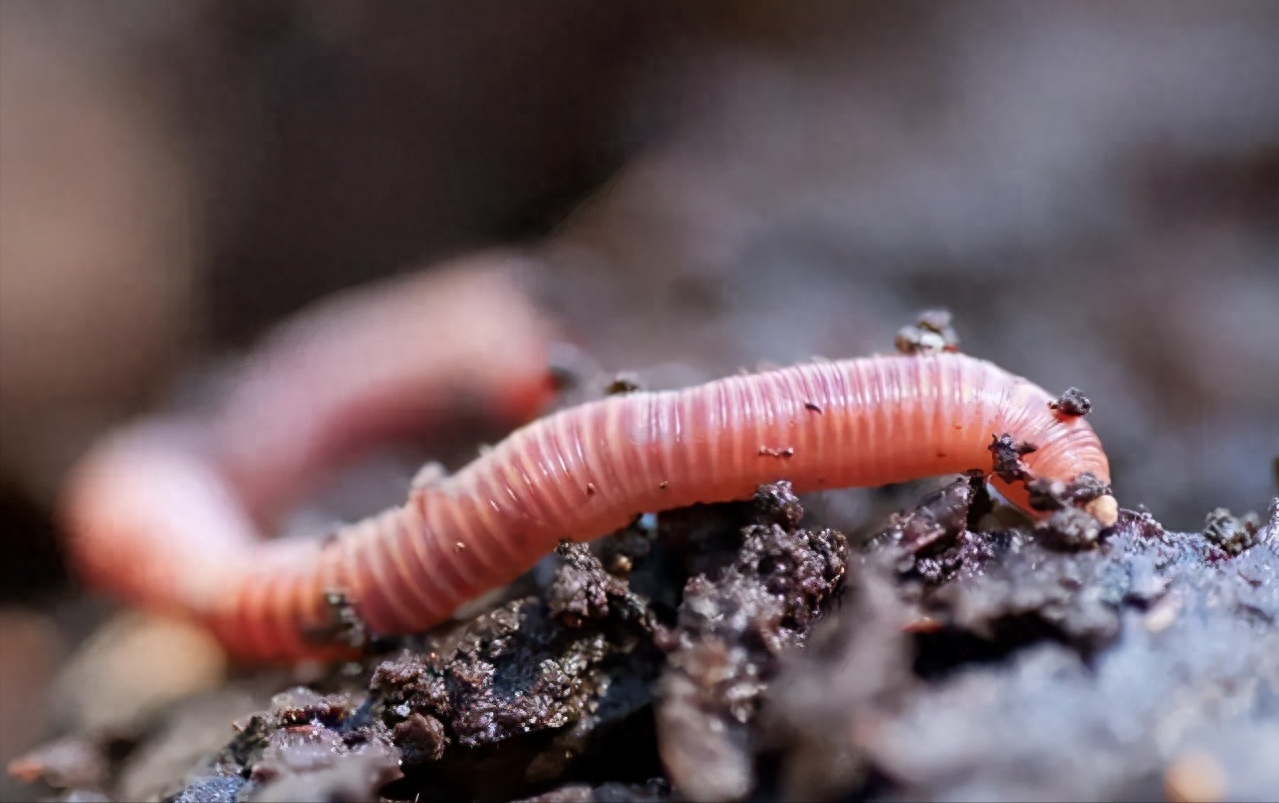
x=578, y=474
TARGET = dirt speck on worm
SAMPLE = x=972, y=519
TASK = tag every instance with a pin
x=781, y=454
x=347, y=628
x=1008, y=463
x=623, y=384
x=1072, y=402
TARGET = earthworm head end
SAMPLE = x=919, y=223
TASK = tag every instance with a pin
x=1031, y=478
x=1104, y=509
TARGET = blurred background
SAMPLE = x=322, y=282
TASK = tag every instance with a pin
x=1092, y=189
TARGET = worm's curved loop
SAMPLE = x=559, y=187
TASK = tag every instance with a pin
x=166, y=513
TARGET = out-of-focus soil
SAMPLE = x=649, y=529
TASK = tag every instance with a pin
x=1092, y=191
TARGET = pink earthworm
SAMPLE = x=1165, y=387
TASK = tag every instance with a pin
x=160, y=511
x=589, y=470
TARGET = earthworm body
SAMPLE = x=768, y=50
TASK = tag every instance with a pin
x=157, y=516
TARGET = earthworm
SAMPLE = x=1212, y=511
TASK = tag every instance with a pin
x=586, y=471
x=390, y=360
x=158, y=512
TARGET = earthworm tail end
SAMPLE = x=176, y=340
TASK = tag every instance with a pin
x=166, y=513
x=584, y=472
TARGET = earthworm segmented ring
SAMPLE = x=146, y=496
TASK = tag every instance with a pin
x=152, y=517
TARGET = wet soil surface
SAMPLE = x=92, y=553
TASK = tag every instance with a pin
x=744, y=652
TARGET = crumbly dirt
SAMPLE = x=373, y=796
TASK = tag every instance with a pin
x=931, y=333
x=741, y=651
x=731, y=633
x=1072, y=402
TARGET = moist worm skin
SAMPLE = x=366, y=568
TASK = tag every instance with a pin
x=586, y=471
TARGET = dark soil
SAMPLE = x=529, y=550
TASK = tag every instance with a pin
x=742, y=652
